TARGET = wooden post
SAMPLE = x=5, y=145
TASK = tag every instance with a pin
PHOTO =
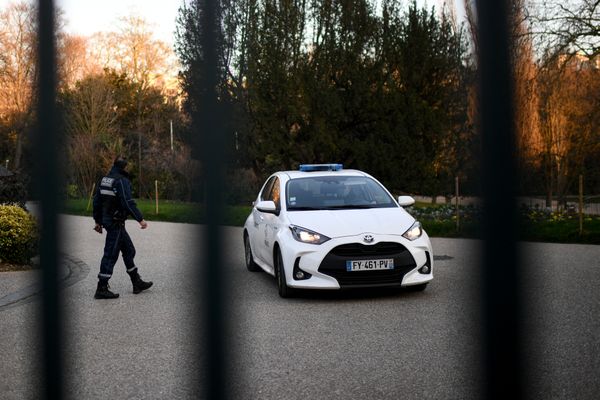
x=171, y=124
x=156, y=191
x=139, y=193
x=457, y=202
x=580, y=205
x=90, y=198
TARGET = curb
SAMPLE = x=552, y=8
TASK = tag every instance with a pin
x=77, y=271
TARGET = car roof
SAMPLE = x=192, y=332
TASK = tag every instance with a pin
x=302, y=174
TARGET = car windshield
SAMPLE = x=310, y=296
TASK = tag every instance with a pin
x=336, y=192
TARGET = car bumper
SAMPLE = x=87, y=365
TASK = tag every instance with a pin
x=326, y=262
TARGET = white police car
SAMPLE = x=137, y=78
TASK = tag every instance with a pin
x=325, y=227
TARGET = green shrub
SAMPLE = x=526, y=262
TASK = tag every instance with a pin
x=241, y=186
x=13, y=189
x=18, y=235
x=72, y=191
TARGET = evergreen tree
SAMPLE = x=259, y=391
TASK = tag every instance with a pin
x=337, y=80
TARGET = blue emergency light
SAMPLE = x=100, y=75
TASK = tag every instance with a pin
x=320, y=167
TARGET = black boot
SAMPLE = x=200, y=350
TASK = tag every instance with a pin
x=138, y=283
x=103, y=292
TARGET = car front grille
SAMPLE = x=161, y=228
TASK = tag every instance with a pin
x=334, y=264
x=382, y=249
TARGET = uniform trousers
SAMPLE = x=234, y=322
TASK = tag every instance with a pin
x=117, y=241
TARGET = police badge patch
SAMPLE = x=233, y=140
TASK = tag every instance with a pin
x=106, y=181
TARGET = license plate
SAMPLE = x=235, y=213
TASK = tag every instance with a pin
x=369, y=265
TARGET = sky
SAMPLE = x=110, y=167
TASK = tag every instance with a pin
x=85, y=17
x=88, y=16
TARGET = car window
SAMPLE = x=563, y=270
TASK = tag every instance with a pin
x=266, y=192
x=336, y=192
x=271, y=192
x=275, y=193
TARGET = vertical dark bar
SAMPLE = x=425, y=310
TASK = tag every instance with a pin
x=47, y=178
x=212, y=155
x=500, y=269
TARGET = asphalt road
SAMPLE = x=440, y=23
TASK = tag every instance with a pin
x=320, y=345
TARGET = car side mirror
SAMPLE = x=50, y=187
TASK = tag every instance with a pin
x=267, y=206
x=405, y=201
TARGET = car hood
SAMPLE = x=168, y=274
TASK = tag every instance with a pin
x=338, y=223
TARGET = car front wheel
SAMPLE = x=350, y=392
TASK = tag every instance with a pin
x=284, y=290
x=250, y=264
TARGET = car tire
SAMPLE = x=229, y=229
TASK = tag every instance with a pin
x=250, y=264
x=284, y=290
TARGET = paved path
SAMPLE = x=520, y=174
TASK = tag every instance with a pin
x=132, y=347
x=321, y=345
x=20, y=287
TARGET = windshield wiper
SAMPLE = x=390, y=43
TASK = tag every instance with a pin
x=340, y=207
x=303, y=208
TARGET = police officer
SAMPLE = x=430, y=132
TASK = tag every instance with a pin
x=112, y=205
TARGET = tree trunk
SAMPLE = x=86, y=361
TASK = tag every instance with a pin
x=18, y=151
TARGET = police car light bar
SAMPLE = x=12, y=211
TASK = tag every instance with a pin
x=320, y=167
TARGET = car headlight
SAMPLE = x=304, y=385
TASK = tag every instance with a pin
x=414, y=232
x=307, y=236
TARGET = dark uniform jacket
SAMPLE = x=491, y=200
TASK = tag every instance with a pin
x=112, y=200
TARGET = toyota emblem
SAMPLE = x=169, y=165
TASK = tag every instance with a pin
x=368, y=238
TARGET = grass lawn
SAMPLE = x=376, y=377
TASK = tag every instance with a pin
x=561, y=231
x=566, y=231
x=169, y=211
x=530, y=231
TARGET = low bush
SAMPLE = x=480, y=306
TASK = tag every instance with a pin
x=13, y=189
x=241, y=186
x=18, y=235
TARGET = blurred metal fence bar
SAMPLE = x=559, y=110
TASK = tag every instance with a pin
x=47, y=178
x=210, y=139
x=501, y=300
